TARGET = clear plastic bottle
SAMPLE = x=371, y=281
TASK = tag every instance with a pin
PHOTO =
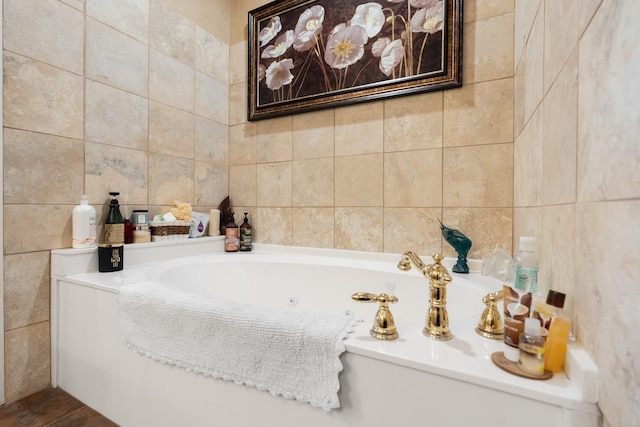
x=527, y=265
x=84, y=225
x=531, y=345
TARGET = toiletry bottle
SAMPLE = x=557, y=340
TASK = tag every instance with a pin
x=128, y=231
x=526, y=266
x=531, y=358
x=84, y=225
x=246, y=231
x=231, y=240
x=114, y=224
x=558, y=336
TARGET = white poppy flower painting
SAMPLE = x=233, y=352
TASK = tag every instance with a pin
x=307, y=55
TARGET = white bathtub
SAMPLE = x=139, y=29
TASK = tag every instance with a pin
x=410, y=381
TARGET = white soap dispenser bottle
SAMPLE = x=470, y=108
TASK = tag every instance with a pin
x=84, y=225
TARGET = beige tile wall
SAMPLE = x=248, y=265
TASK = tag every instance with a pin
x=377, y=176
x=577, y=175
x=127, y=95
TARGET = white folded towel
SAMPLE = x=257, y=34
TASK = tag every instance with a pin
x=292, y=354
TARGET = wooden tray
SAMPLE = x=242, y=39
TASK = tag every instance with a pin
x=512, y=367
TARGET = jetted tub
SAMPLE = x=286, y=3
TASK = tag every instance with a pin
x=410, y=381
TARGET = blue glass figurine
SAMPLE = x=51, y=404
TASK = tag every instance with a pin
x=460, y=243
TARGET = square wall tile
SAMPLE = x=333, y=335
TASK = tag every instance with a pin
x=313, y=182
x=46, y=30
x=314, y=227
x=413, y=178
x=413, y=122
x=211, y=183
x=171, y=81
x=55, y=165
x=212, y=56
x=526, y=222
x=359, y=129
x=412, y=229
x=560, y=36
x=532, y=72
x=561, y=136
x=171, y=131
x=274, y=225
x=25, y=231
x=171, y=33
x=313, y=134
x=359, y=229
x=478, y=176
x=27, y=360
x=129, y=16
x=480, y=113
x=608, y=155
x=359, y=180
x=116, y=59
x=170, y=180
x=243, y=144
x=238, y=103
x=211, y=98
x=528, y=166
x=116, y=169
x=243, y=185
x=275, y=140
x=238, y=62
x=212, y=141
x=116, y=117
x=274, y=184
x=42, y=98
x=26, y=289
x=488, y=49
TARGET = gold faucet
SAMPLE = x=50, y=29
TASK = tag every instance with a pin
x=384, y=327
x=437, y=324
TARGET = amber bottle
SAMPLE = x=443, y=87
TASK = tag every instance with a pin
x=231, y=239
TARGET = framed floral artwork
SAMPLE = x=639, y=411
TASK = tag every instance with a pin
x=308, y=55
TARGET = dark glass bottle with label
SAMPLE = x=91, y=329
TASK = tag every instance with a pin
x=246, y=231
x=231, y=236
x=114, y=224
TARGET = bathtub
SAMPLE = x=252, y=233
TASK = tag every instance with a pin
x=409, y=381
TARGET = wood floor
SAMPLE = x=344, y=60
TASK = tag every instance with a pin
x=51, y=407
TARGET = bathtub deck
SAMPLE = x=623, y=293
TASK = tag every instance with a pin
x=51, y=407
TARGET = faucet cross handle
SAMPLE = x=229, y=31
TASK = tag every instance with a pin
x=384, y=326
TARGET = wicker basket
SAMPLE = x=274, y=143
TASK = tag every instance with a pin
x=169, y=230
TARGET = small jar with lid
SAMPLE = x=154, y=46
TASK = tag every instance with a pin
x=531, y=359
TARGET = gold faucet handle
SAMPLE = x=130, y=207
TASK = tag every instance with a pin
x=369, y=297
x=493, y=298
x=384, y=327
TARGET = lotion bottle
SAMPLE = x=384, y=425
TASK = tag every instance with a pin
x=84, y=225
x=231, y=236
x=246, y=231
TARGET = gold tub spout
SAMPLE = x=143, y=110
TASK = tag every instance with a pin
x=437, y=324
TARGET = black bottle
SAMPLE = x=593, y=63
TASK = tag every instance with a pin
x=245, y=234
x=114, y=224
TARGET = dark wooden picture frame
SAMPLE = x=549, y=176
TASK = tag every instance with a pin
x=308, y=55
